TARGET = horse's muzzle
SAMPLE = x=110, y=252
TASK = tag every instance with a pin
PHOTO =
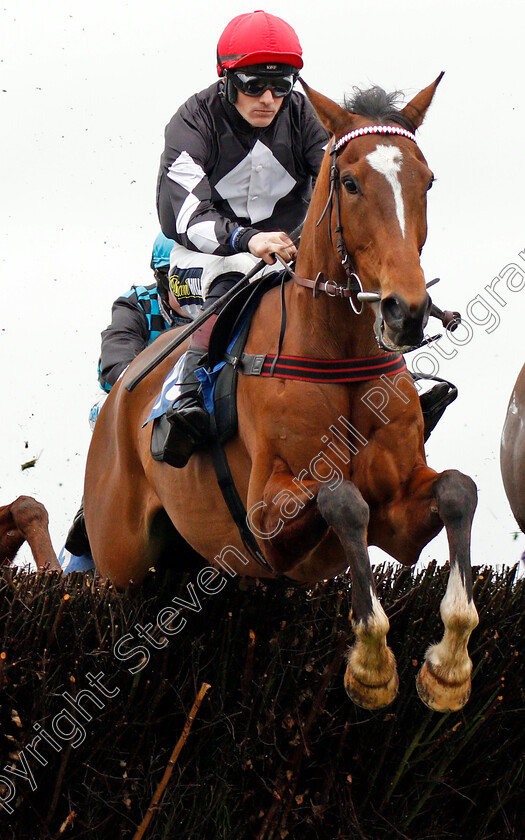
x=399, y=326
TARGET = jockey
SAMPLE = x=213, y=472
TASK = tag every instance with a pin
x=139, y=316
x=235, y=179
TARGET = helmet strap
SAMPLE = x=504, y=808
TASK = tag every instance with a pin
x=230, y=91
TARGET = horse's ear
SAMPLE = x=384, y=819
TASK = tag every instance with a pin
x=332, y=116
x=416, y=109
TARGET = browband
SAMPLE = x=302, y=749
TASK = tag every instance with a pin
x=371, y=129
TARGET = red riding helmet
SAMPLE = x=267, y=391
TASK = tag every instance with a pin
x=257, y=38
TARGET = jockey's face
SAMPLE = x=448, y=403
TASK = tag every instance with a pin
x=259, y=111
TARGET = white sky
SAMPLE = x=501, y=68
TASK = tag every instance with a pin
x=85, y=92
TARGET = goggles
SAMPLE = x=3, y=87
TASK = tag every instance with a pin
x=256, y=85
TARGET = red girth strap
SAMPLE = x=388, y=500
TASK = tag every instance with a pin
x=321, y=370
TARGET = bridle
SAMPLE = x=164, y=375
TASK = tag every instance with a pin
x=353, y=289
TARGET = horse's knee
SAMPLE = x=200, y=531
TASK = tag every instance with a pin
x=456, y=495
x=26, y=511
x=15, y=519
x=343, y=507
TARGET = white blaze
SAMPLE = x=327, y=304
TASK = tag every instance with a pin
x=387, y=160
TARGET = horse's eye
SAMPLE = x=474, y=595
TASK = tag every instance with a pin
x=431, y=183
x=350, y=185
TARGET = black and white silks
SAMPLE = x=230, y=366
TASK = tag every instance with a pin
x=219, y=173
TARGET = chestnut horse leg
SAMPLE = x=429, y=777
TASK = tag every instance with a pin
x=371, y=679
x=10, y=537
x=444, y=679
x=27, y=519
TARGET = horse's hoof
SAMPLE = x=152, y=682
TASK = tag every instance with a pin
x=371, y=696
x=438, y=694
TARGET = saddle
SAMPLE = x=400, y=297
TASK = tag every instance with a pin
x=227, y=342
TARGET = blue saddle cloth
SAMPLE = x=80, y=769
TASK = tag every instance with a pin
x=170, y=391
x=74, y=562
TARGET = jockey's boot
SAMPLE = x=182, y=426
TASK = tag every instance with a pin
x=189, y=421
x=434, y=403
x=77, y=541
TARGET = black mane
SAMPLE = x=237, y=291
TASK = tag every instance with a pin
x=378, y=105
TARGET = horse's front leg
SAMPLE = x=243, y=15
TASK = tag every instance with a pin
x=444, y=679
x=371, y=679
x=30, y=521
x=294, y=518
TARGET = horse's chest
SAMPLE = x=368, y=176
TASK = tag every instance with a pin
x=384, y=465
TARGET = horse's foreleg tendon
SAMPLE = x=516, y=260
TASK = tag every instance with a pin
x=371, y=679
x=444, y=680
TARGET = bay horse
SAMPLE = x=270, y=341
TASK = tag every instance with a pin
x=512, y=451
x=313, y=520
x=26, y=519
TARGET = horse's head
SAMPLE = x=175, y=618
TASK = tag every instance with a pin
x=378, y=180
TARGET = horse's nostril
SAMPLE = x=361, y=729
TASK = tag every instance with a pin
x=393, y=312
